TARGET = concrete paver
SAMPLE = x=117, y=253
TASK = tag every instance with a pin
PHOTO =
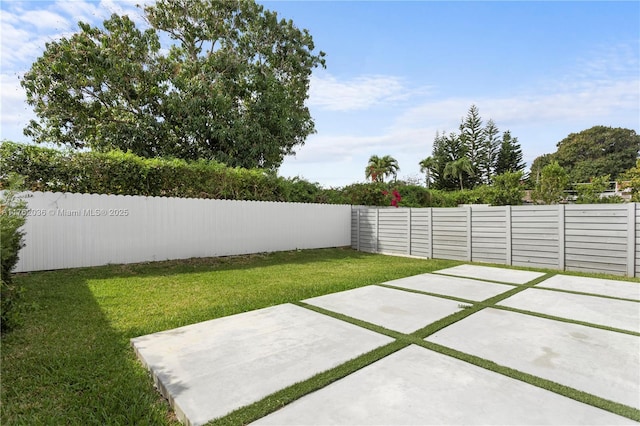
x=393, y=309
x=451, y=286
x=621, y=314
x=600, y=362
x=207, y=370
x=416, y=386
x=613, y=288
x=492, y=274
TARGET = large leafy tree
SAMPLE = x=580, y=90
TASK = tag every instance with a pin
x=594, y=152
x=598, y=151
x=232, y=86
x=380, y=167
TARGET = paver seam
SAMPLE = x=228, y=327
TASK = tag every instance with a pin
x=481, y=279
x=427, y=293
x=582, y=293
x=567, y=320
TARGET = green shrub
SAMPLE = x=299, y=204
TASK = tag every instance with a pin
x=121, y=173
x=12, y=218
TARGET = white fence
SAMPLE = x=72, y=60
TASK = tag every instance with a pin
x=74, y=230
x=591, y=238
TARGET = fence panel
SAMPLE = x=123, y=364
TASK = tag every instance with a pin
x=535, y=236
x=450, y=233
x=368, y=233
x=393, y=231
x=421, y=232
x=79, y=230
x=489, y=235
x=596, y=238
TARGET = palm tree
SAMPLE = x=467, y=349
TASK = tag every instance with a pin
x=457, y=168
x=426, y=166
x=379, y=167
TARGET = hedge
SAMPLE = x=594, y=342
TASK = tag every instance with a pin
x=120, y=173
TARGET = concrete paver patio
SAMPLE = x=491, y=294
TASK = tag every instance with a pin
x=416, y=386
x=209, y=369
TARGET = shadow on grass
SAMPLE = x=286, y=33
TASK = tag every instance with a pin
x=67, y=365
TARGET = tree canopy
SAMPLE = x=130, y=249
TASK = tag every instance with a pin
x=231, y=87
x=594, y=152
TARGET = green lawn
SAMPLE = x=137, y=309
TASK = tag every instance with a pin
x=72, y=363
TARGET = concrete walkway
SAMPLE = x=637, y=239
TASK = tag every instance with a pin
x=588, y=342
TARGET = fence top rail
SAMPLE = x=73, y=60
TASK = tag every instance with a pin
x=30, y=194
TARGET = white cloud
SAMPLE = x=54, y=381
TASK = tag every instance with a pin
x=14, y=111
x=359, y=93
x=45, y=20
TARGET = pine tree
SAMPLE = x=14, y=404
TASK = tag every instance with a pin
x=491, y=151
x=473, y=137
x=510, y=155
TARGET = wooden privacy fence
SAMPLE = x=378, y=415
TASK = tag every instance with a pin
x=591, y=238
x=66, y=230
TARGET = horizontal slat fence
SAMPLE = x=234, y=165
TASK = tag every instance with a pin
x=66, y=230
x=601, y=238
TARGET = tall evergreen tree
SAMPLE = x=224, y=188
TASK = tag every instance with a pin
x=510, y=155
x=473, y=137
x=492, y=145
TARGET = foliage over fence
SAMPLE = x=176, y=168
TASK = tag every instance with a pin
x=121, y=173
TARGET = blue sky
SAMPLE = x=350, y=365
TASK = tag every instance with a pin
x=398, y=72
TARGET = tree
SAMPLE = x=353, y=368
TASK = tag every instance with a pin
x=510, y=155
x=232, y=87
x=379, y=167
x=598, y=151
x=427, y=166
x=631, y=180
x=445, y=150
x=536, y=168
x=491, y=150
x=458, y=169
x=473, y=138
x=590, y=193
x=553, y=181
x=506, y=189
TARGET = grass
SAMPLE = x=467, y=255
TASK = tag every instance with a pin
x=72, y=363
